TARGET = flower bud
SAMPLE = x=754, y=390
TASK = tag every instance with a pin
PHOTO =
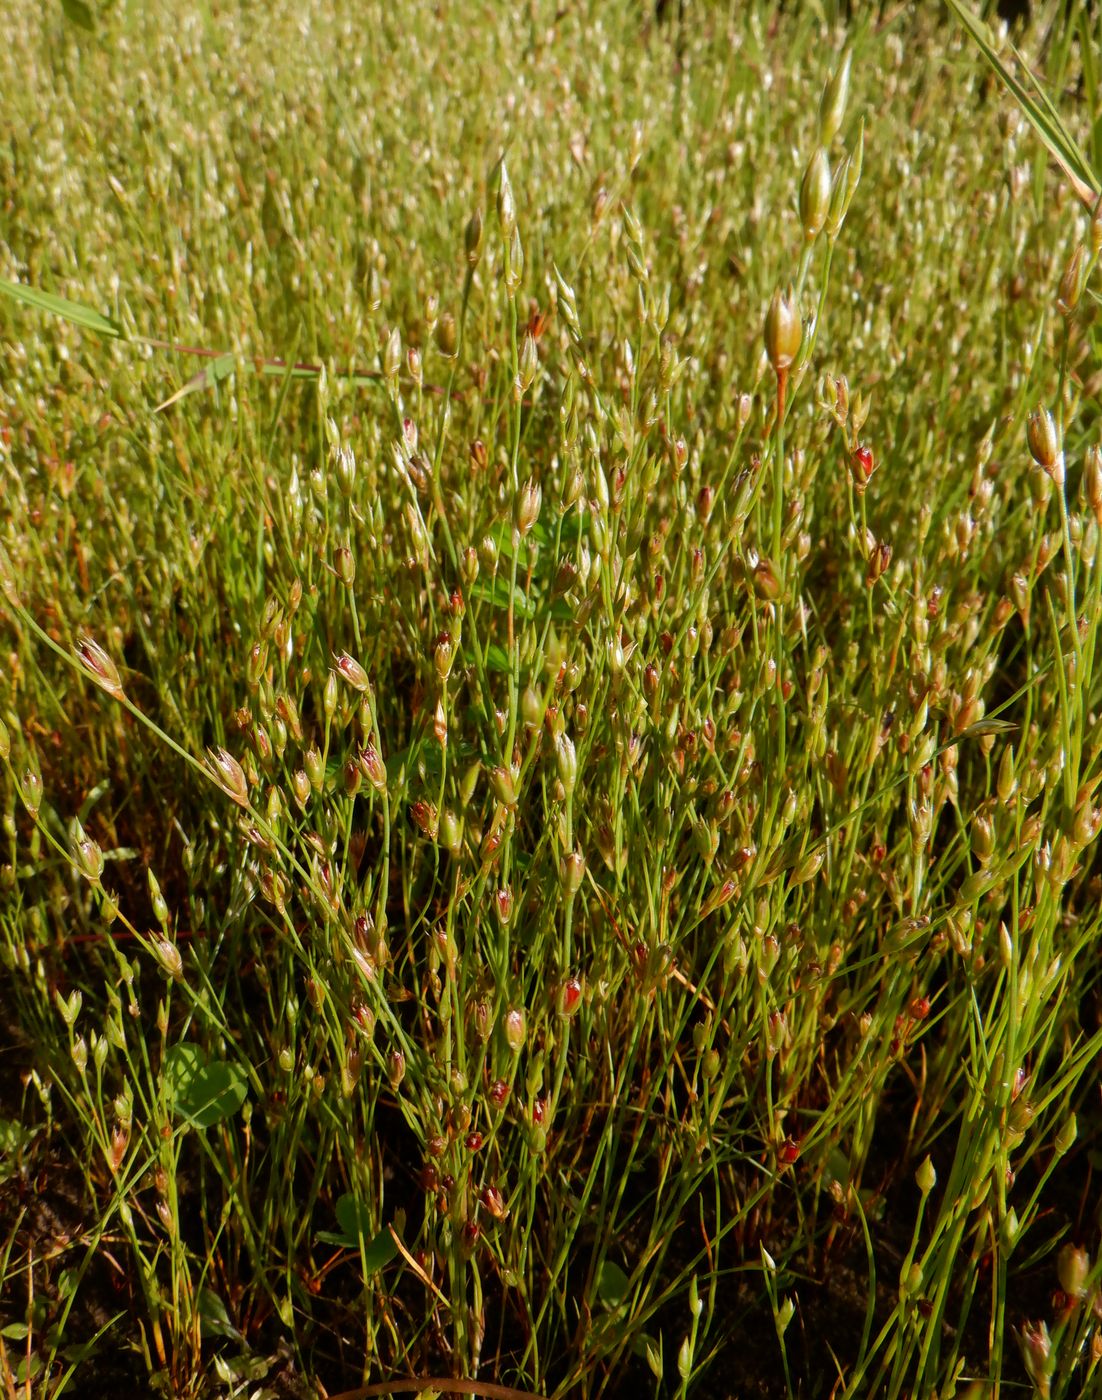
x=529, y=363
x=168, y=955
x=1065, y=1138
x=1073, y=1266
x=472, y=238
x=526, y=507
x=1041, y=436
x=392, y=355
x=344, y=566
x=89, y=857
x=351, y=672
x=443, y=655
x=99, y=666
x=832, y=105
x=1036, y=1346
x=1072, y=282
x=926, y=1177
x=506, y=206
x=566, y=759
x=1092, y=481
x=451, y=832
x=447, y=338
x=572, y=872
x=229, y=775
x=815, y=195
x=783, y=330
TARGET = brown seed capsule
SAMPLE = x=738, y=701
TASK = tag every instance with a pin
x=1041, y=436
x=783, y=332
x=447, y=337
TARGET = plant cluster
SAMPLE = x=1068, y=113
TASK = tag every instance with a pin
x=550, y=791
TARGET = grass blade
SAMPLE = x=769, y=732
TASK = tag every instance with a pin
x=1037, y=108
x=73, y=311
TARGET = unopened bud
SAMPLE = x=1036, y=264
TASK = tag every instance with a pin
x=506, y=206
x=832, y=105
x=1073, y=1266
x=515, y=1029
x=566, y=759
x=572, y=872
x=526, y=508
x=472, y=238
x=1071, y=283
x=1041, y=436
x=392, y=355
x=814, y=196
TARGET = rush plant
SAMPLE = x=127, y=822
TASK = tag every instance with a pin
x=549, y=737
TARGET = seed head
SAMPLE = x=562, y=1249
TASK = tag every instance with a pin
x=229, y=775
x=1037, y=1355
x=783, y=330
x=1043, y=443
x=99, y=666
x=526, y=508
x=88, y=855
x=352, y=672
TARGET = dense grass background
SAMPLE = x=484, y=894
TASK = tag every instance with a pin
x=520, y=860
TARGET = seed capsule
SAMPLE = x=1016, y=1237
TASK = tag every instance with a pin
x=783, y=331
x=815, y=195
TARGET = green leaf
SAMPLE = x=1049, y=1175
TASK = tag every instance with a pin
x=214, y=1320
x=78, y=13
x=14, y=1137
x=354, y=1218
x=497, y=595
x=613, y=1284
x=1036, y=106
x=497, y=659
x=68, y=310
x=202, y=1094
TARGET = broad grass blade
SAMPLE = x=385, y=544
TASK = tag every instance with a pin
x=1037, y=107
x=61, y=306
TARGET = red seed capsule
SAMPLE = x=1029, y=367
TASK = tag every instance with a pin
x=862, y=466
